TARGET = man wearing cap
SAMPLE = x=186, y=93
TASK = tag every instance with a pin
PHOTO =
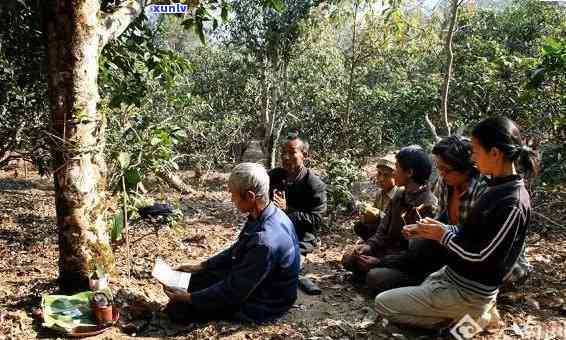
x=371, y=215
x=412, y=202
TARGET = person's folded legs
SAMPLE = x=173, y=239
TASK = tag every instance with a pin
x=381, y=279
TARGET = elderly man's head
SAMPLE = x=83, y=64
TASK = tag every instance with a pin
x=293, y=154
x=249, y=186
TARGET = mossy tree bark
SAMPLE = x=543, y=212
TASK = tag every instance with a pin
x=76, y=33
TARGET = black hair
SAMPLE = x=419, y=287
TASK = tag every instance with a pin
x=304, y=144
x=502, y=133
x=457, y=152
x=414, y=158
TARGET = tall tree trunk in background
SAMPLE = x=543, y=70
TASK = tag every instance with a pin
x=449, y=64
x=350, y=98
x=271, y=116
x=262, y=130
x=268, y=144
x=281, y=120
x=74, y=41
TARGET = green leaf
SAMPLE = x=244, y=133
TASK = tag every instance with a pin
x=155, y=140
x=117, y=226
x=277, y=5
x=224, y=11
x=123, y=159
x=188, y=24
x=180, y=133
x=133, y=177
x=200, y=32
x=537, y=77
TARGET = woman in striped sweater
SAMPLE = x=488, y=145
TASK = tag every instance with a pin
x=482, y=251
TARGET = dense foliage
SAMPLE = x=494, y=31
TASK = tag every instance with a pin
x=23, y=84
x=351, y=77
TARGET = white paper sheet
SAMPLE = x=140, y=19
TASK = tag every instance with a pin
x=169, y=277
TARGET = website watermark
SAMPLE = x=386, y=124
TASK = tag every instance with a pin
x=467, y=328
x=173, y=8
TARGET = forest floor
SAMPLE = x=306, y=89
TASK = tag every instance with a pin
x=29, y=254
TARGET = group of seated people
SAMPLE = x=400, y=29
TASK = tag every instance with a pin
x=431, y=255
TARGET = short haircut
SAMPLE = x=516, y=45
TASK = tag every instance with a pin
x=250, y=177
x=414, y=158
x=385, y=167
x=304, y=144
x=456, y=151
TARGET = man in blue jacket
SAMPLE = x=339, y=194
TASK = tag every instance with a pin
x=256, y=278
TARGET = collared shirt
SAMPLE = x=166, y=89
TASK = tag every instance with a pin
x=383, y=198
x=442, y=191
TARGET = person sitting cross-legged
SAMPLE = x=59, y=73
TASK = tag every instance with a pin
x=482, y=251
x=256, y=278
x=371, y=216
x=460, y=185
x=412, y=171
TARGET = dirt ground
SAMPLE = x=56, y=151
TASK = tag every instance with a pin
x=28, y=269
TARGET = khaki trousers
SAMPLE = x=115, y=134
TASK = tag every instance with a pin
x=436, y=303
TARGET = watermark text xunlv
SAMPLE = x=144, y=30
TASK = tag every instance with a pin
x=171, y=8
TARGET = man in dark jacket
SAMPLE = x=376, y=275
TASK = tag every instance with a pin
x=255, y=279
x=299, y=192
x=458, y=187
x=412, y=171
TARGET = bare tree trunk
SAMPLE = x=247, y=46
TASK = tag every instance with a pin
x=74, y=41
x=449, y=63
x=271, y=115
x=265, y=108
x=278, y=126
x=352, y=66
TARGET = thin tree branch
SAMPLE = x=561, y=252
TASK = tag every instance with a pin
x=113, y=24
x=449, y=63
x=432, y=128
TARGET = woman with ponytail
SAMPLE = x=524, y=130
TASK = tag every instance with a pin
x=481, y=251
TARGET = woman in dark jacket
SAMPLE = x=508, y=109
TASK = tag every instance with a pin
x=482, y=251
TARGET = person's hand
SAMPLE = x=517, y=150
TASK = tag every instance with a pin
x=177, y=295
x=280, y=200
x=408, y=231
x=362, y=249
x=366, y=262
x=190, y=267
x=427, y=228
